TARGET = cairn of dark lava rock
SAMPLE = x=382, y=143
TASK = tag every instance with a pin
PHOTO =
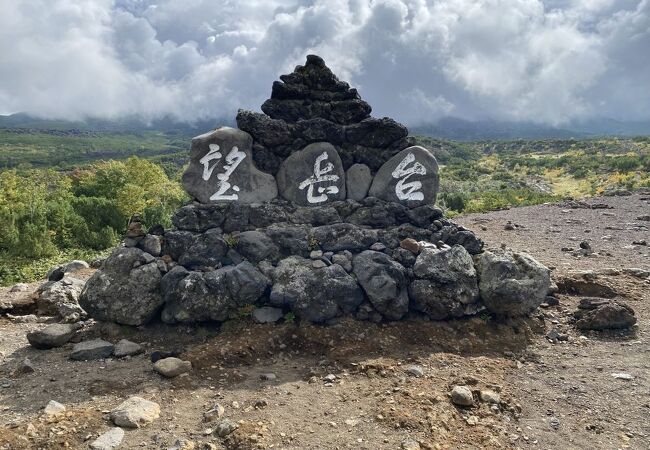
x=317, y=208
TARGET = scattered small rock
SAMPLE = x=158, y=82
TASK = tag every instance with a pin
x=411, y=245
x=124, y=347
x=53, y=408
x=93, y=349
x=20, y=287
x=351, y=422
x=623, y=376
x=267, y=314
x=135, y=412
x=109, y=440
x=410, y=444
x=26, y=366
x=316, y=254
x=259, y=404
x=415, y=371
x=603, y=314
x=54, y=335
x=462, y=396
x=162, y=354
x=554, y=423
x=182, y=444
x=225, y=427
x=551, y=301
x=490, y=397
x=172, y=367
x=216, y=412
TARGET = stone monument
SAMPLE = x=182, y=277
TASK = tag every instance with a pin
x=316, y=208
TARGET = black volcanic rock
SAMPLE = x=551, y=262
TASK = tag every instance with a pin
x=266, y=130
x=312, y=105
x=319, y=130
x=374, y=132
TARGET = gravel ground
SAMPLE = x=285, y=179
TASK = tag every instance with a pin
x=350, y=385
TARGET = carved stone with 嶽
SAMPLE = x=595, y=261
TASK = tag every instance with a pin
x=222, y=170
x=313, y=176
x=410, y=177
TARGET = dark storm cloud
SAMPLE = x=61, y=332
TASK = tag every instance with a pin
x=415, y=60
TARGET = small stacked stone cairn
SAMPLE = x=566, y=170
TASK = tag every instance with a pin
x=315, y=208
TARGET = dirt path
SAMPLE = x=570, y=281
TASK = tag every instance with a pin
x=545, y=230
x=348, y=385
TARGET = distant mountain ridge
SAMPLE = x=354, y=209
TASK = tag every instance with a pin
x=122, y=125
x=464, y=130
x=451, y=128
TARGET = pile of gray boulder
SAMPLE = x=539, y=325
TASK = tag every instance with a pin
x=313, y=208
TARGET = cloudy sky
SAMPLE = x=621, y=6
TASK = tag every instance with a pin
x=415, y=60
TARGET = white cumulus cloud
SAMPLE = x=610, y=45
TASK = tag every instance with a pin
x=415, y=60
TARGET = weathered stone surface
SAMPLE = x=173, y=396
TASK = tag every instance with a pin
x=209, y=249
x=224, y=427
x=199, y=217
x=267, y=131
x=343, y=112
x=511, y=284
x=343, y=236
x=445, y=283
x=373, y=132
x=53, y=335
x=109, y=440
x=409, y=177
x=19, y=287
x=384, y=281
x=411, y=245
x=60, y=298
x=267, y=314
x=315, y=215
x=319, y=130
x=256, y=246
x=292, y=240
x=177, y=242
x=214, y=295
x=58, y=272
x=313, y=176
x=424, y=216
x=462, y=396
x=126, y=290
x=53, y=409
x=314, y=294
x=135, y=412
x=266, y=214
x=151, y=244
x=378, y=214
x=172, y=367
x=603, y=314
x=465, y=238
x=357, y=181
x=124, y=347
x=238, y=217
x=222, y=170
x=93, y=349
